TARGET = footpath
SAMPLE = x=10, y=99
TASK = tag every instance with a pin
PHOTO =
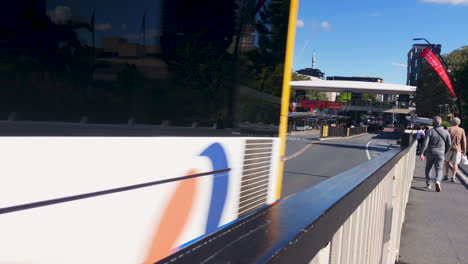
x=436, y=223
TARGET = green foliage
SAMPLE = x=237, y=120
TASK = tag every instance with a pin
x=310, y=95
x=129, y=78
x=343, y=97
x=446, y=124
x=458, y=63
x=299, y=77
x=316, y=95
x=372, y=97
x=432, y=92
x=267, y=66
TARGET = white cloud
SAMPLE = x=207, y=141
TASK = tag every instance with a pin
x=103, y=27
x=376, y=14
x=452, y=2
x=399, y=64
x=300, y=23
x=60, y=15
x=325, y=26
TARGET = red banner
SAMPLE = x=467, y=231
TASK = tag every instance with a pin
x=321, y=104
x=259, y=5
x=430, y=57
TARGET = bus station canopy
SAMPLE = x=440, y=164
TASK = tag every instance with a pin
x=352, y=87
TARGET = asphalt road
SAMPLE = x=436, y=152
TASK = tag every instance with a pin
x=319, y=160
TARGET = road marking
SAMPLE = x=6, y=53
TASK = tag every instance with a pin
x=304, y=149
x=367, y=151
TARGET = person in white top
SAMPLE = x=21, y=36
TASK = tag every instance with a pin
x=420, y=135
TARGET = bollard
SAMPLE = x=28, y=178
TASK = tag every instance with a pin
x=324, y=131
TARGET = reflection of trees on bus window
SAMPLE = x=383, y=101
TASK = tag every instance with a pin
x=179, y=60
x=194, y=41
x=266, y=60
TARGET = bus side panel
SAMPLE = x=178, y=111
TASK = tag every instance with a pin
x=101, y=200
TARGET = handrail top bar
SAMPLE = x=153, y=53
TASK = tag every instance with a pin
x=312, y=215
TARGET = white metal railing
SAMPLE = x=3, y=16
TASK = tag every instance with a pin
x=372, y=233
x=354, y=217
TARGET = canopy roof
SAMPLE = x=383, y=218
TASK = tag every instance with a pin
x=353, y=87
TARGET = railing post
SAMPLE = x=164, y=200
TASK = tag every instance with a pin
x=405, y=140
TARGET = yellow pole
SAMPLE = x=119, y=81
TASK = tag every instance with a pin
x=347, y=132
x=286, y=92
x=324, y=131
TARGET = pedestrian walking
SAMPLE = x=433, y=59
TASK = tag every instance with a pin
x=420, y=137
x=457, y=149
x=435, y=145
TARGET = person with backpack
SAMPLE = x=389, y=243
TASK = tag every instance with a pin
x=435, y=145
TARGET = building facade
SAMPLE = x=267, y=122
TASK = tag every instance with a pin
x=414, y=61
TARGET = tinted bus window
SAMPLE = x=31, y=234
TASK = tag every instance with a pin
x=175, y=63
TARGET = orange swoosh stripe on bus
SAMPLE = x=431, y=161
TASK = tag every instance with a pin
x=173, y=220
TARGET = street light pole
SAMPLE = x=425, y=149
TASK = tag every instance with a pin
x=448, y=72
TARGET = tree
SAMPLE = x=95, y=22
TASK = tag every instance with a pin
x=372, y=97
x=195, y=49
x=310, y=95
x=316, y=95
x=343, y=97
x=268, y=59
x=457, y=61
x=299, y=77
x=432, y=92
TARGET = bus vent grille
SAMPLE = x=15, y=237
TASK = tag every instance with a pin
x=255, y=175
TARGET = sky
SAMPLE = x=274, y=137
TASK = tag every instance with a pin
x=373, y=37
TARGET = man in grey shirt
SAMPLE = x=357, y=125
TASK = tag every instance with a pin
x=436, y=144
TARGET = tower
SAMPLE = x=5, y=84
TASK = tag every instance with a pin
x=313, y=60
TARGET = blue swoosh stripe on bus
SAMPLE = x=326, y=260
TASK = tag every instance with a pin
x=217, y=155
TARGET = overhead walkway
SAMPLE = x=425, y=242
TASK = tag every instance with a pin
x=353, y=87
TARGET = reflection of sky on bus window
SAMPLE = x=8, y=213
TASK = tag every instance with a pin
x=124, y=19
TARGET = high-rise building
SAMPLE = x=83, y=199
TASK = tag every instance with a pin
x=415, y=59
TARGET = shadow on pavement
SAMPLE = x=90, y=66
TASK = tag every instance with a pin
x=308, y=174
x=419, y=178
x=381, y=149
x=421, y=189
x=386, y=135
